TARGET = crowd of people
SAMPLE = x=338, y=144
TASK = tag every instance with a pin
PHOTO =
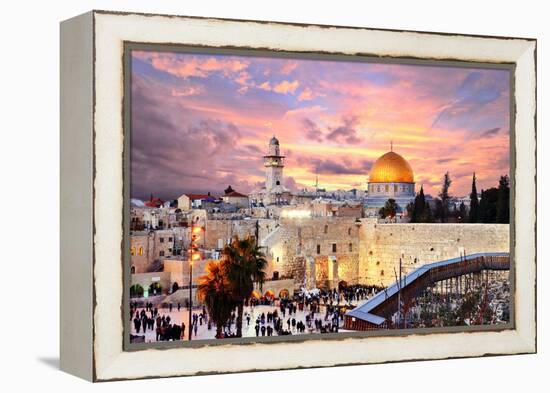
x=324, y=313
x=150, y=319
x=284, y=321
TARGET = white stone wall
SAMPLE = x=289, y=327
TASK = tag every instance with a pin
x=296, y=240
x=382, y=245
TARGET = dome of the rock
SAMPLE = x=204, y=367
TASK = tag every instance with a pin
x=391, y=168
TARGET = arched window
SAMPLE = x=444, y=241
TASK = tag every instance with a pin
x=140, y=252
x=350, y=247
x=326, y=228
x=387, y=188
x=349, y=231
x=133, y=251
x=395, y=188
x=133, y=270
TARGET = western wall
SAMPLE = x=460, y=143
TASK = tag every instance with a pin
x=382, y=245
x=322, y=252
x=315, y=251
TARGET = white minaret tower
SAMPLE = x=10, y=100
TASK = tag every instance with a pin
x=274, y=164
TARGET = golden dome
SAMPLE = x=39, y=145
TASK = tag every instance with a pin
x=391, y=168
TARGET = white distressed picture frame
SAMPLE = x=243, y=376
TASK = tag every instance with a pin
x=92, y=142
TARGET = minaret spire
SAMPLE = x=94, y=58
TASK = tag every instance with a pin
x=316, y=179
x=391, y=146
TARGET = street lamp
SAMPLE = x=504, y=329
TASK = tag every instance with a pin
x=194, y=256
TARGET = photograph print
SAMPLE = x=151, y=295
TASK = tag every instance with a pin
x=284, y=195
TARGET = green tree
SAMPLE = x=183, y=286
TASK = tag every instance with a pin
x=420, y=210
x=474, y=202
x=419, y=205
x=214, y=291
x=389, y=209
x=503, y=201
x=244, y=263
x=488, y=206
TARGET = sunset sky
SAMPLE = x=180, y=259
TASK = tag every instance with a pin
x=203, y=122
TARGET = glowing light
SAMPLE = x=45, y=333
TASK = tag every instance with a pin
x=296, y=213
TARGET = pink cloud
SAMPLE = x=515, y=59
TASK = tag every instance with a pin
x=191, y=66
x=187, y=91
x=288, y=67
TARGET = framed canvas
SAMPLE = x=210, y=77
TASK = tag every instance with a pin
x=247, y=195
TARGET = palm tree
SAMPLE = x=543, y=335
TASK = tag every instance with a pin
x=215, y=292
x=244, y=263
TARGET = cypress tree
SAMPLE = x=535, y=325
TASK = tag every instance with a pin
x=419, y=206
x=474, y=203
x=445, y=197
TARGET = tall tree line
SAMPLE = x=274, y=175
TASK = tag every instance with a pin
x=492, y=206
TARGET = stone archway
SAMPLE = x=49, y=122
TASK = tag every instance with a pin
x=136, y=290
x=155, y=289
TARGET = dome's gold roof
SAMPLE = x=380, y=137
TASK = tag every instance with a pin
x=391, y=168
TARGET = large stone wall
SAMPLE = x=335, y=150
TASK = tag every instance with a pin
x=296, y=242
x=382, y=245
x=369, y=254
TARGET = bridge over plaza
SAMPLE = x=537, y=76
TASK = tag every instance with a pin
x=376, y=312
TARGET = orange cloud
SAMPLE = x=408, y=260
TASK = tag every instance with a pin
x=286, y=87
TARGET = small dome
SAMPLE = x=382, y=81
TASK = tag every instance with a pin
x=274, y=141
x=391, y=168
